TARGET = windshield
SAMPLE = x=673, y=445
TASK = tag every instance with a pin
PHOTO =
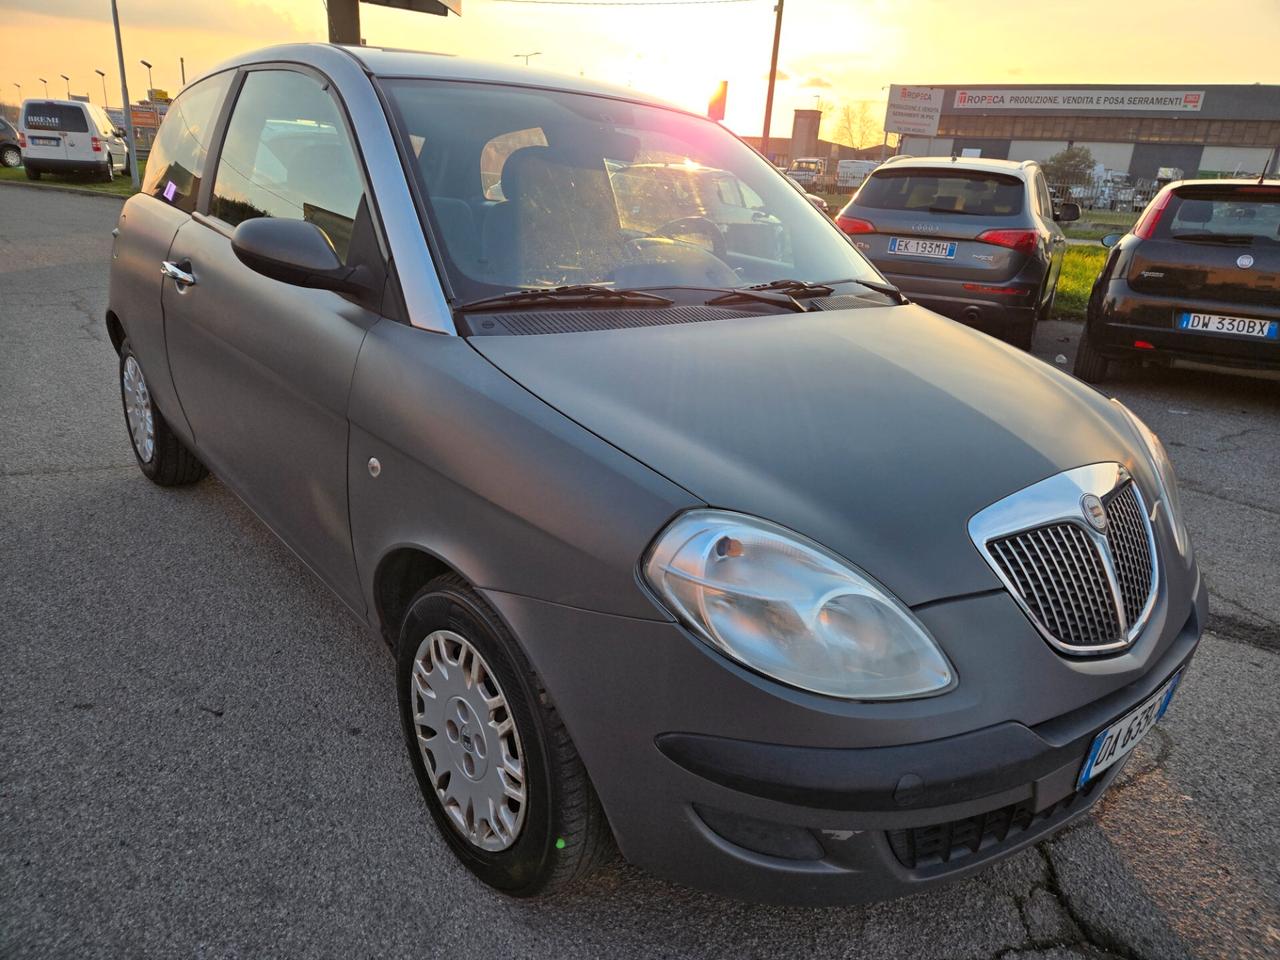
x=949, y=191
x=1246, y=214
x=536, y=188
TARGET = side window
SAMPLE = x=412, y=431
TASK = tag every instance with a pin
x=1046, y=201
x=494, y=157
x=176, y=162
x=287, y=154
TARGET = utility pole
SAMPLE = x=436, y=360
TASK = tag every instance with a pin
x=773, y=77
x=124, y=99
x=344, y=21
x=104, y=87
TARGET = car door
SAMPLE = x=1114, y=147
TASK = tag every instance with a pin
x=146, y=228
x=1057, y=239
x=262, y=367
x=44, y=124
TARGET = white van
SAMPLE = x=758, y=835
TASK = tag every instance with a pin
x=68, y=136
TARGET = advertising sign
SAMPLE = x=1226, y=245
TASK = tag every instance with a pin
x=1024, y=99
x=913, y=110
x=144, y=116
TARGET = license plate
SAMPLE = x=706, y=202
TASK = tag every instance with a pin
x=1114, y=743
x=1239, y=326
x=45, y=141
x=916, y=247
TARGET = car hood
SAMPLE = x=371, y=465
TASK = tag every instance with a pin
x=877, y=431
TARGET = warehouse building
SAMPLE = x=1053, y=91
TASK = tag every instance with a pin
x=1203, y=130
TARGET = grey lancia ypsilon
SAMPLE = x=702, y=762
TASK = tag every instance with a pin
x=687, y=531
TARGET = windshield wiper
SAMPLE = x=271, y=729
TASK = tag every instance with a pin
x=572, y=295
x=795, y=288
x=751, y=294
x=888, y=289
x=1232, y=238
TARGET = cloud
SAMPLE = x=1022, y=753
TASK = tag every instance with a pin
x=782, y=75
x=817, y=83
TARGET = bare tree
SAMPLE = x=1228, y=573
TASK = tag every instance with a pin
x=858, y=124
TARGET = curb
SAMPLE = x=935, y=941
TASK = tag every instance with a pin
x=63, y=188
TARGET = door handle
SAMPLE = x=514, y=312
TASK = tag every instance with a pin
x=183, y=278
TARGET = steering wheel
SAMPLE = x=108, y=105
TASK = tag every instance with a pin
x=673, y=229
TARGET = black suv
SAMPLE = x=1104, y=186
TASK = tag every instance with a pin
x=975, y=240
x=1198, y=279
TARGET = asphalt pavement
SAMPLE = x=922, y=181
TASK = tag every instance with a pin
x=200, y=754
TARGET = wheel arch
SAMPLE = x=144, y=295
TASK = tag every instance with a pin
x=115, y=330
x=401, y=573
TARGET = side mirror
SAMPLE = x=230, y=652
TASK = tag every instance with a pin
x=296, y=252
x=1068, y=211
x=1111, y=239
x=120, y=132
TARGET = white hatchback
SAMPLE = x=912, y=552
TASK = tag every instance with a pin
x=68, y=136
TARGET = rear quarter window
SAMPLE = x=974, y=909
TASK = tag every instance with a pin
x=62, y=117
x=943, y=191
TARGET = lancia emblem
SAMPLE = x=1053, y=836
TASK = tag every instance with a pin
x=1094, y=511
x=1244, y=261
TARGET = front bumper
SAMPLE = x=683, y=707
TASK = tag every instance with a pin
x=720, y=779
x=1125, y=317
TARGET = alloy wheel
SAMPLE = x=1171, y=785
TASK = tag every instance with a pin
x=138, y=410
x=10, y=157
x=468, y=741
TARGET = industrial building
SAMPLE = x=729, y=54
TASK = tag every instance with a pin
x=1135, y=129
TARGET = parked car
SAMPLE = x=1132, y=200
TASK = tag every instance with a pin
x=1197, y=279
x=69, y=136
x=10, y=148
x=809, y=172
x=975, y=240
x=795, y=590
x=818, y=202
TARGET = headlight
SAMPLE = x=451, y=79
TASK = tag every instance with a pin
x=1164, y=477
x=792, y=610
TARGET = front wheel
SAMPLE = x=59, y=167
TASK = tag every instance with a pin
x=1090, y=365
x=161, y=456
x=493, y=759
x=10, y=156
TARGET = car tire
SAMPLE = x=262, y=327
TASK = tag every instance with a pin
x=10, y=156
x=1090, y=365
x=108, y=173
x=32, y=174
x=162, y=457
x=558, y=833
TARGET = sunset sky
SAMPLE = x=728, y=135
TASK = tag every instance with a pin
x=841, y=50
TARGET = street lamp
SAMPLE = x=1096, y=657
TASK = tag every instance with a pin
x=46, y=86
x=104, y=87
x=149, y=86
x=68, y=79
x=536, y=53
x=19, y=86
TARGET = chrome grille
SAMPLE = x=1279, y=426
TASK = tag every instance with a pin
x=1060, y=576
x=1127, y=535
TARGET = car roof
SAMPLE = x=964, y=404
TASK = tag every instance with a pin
x=977, y=164
x=388, y=62
x=1226, y=182
x=61, y=103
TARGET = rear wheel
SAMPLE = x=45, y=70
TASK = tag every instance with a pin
x=108, y=172
x=493, y=759
x=161, y=456
x=1090, y=365
x=10, y=156
x=32, y=174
